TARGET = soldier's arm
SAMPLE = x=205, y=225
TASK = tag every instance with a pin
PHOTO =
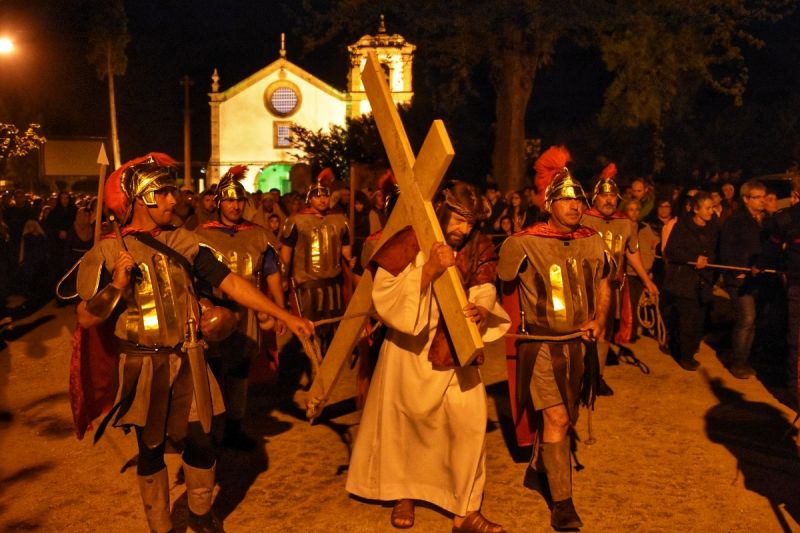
x=99, y=307
x=595, y=328
x=243, y=292
x=635, y=261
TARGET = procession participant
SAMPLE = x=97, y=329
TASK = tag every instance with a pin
x=621, y=238
x=561, y=270
x=782, y=250
x=740, y=245
x=248, y=250
x=314, y=242
x=206, y=211
x=140, y=281
x=423, y=430
x=688, y=288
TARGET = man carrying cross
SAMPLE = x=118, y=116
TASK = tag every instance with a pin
x=422, y=433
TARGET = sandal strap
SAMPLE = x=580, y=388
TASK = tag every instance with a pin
x=475, y=522
x=403, y=510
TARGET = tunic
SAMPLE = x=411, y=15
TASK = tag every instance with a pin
x=423, y=429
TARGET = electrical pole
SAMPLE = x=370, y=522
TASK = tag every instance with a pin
x=186, y=82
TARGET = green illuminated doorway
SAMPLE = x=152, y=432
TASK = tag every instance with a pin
x=275, y=176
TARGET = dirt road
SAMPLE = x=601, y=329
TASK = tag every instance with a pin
x=676, y=451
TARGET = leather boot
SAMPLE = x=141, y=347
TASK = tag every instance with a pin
x=199, y=492
x=154, y=490
x=558, y=464
x=536, y=478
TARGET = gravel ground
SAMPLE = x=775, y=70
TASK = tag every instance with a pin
x=676, y=451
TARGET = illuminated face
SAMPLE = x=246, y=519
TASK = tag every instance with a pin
x=755, y=200
x=516, y=200
x=606, y=203
x=161, y=213
x=638, y=190
x=565, y=213
x=208, y=202
x=633, y=210
x=320, y=202
x=458, y=229
x=705, y=211
x=267, y=202
x=716, y=199
x=230, y=211
x=505, y=225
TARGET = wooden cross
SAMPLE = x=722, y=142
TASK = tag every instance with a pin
x=418, y=180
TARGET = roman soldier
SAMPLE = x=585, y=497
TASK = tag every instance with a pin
x=140, y=282
x=621, y=237
x=314, y=243
x=248, y=250
x=555, y=276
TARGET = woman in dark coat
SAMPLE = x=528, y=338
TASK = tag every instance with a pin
x=688, y=288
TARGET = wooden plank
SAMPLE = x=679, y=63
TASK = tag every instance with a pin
x=419, y=209
x=341, y=347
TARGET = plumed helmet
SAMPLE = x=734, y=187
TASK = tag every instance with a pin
x=605, y=183
x=551, y=168
x=230, y=185
x=138, y=178
x=322, y=185
x=387, y=184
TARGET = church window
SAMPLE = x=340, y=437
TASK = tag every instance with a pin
x=282, y=98
x=282, y=134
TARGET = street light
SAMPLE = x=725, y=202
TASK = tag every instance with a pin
x=6, y=45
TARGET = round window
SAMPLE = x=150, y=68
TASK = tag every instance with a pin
x=282, y=98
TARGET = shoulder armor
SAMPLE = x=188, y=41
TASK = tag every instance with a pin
x=288, y=226
x=89, y=273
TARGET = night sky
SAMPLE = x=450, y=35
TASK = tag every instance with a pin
x=49, y=79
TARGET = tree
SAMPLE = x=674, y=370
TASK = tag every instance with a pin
x=653, y=48
x=339, y=147
x=14, y=144
x=108, y=39
x=513, y=39
x=658, y=50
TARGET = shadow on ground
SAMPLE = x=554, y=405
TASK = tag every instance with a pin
x=762, y=440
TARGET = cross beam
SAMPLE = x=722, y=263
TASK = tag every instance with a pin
x=418, y=179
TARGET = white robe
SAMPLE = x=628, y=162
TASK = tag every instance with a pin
x=423, y=431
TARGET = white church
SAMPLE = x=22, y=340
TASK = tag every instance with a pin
x=252, y=120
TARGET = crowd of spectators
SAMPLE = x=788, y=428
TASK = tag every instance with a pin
x=718, y=218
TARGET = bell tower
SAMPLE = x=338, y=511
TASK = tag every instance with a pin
x=396, y=56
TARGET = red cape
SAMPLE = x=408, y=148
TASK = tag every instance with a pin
x=543, y=229
x=216, y=224
x=93, y=374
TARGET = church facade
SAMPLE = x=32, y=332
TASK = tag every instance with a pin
x=251, y=122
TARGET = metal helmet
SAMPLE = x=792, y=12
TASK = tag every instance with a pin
x=143, y=177
x=230, y=186
x=321, y=186
x=606, y=183
x=563, y=186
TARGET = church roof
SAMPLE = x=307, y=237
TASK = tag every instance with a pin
x=287, y=66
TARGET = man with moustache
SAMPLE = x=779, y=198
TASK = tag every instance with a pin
x=423, y=430
x=560, y=270
x=621, y=237
x=141, y=281
x=248, y=250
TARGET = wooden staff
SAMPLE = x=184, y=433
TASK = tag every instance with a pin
x=735, y=268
